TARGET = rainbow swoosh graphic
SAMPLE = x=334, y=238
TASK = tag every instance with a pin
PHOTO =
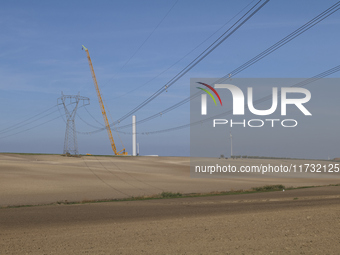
x=209, y=93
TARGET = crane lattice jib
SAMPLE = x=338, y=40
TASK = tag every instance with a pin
x=107, y=124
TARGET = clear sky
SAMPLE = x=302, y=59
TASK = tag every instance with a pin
x=131, y=43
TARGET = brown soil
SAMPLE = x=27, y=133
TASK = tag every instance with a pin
x=43, y=179
x=304, y=221
x=301, y=221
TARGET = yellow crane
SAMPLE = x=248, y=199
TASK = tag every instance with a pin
x=107, y=124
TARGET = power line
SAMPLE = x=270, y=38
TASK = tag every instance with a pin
x=146, y=119
x=284, y=40
x=33, y=120
x=249, y=63
x=21, y=122
x=22, y=125
x=300, y=84
x=258, y=57
x=31, y=128
x=86, y=122
x=140, y=46
x=200, y=57
x=93, y=117
x=200, y=44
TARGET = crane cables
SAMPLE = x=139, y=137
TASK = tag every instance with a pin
x=263, y=99
x=247, y=64
x=201, y=56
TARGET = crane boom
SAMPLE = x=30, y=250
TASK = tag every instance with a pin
x=107, y=124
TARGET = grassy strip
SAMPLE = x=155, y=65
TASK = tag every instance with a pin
x=269, y=188
x=167, y=195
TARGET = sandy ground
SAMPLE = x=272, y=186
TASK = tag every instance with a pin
x=41, y=179
x=305, y=221
x=302, y=221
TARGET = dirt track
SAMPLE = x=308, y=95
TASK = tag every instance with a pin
x=305, y=221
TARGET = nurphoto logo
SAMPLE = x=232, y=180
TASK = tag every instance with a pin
x=239, y=104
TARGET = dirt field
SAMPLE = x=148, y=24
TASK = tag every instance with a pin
x=42, y=179
x=304, y=221
x=301, y=221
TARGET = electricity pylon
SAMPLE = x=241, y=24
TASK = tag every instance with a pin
x=71, y=104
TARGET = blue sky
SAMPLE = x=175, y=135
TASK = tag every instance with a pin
x=40, y=56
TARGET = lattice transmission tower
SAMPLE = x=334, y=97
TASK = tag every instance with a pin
x=71, y=104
